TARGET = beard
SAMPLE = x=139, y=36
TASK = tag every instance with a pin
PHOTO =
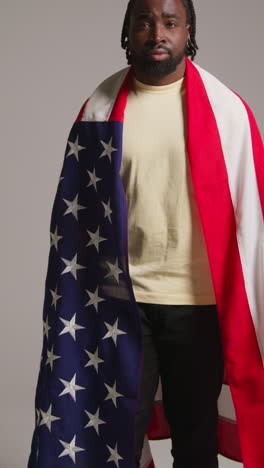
x=155, y=68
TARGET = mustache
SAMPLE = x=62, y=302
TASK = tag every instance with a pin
x=152, y=48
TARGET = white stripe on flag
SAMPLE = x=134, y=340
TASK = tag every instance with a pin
x=101, y=102
x=235, y=135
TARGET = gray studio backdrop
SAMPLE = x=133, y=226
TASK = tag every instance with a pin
x=53, y=53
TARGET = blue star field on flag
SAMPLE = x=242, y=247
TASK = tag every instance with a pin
x=86, y=390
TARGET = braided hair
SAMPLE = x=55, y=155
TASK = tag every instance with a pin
x=191, y=46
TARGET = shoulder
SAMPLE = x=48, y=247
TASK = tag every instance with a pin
x=214, y=87
x=99, y=105
x=228, y=106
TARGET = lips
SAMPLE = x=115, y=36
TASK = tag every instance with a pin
x=158, y=54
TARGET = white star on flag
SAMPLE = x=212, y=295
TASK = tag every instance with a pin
x=75, y=148
x=115, y=457
x=112, y=393
x=55, y=297
x=70, y=326
x=108, y=149
x=48, y=418
x=70, y=449
x=94, y=299
x=94, y=180
x=51, y=357
x=94, y=359
x=95, y=238
x=113, y=331
x=95, y=421
x=114, y=270
x=55, y=238
x=71, y=387
x=72, y=266
x=73, y=207
x=108, y=210
x=46, y=328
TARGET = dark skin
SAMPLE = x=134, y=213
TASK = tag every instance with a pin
x=159, y=30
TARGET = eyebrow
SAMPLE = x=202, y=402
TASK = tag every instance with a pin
x=170, y=15
x=164, y=15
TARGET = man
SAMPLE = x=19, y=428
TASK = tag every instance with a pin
x=168, y=262
x=155, y=269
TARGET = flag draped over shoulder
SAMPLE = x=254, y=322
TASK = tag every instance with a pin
x=91, y=358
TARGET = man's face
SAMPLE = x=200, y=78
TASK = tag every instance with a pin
x=158, y=35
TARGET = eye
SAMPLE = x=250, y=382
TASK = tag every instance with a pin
x=171, y=24
x=143, y=25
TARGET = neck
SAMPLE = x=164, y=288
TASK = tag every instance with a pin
x=161, y=81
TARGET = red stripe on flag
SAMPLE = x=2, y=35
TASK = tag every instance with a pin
x=118, y=111
x=158, y=428
x=151, y=465
x=228, y=440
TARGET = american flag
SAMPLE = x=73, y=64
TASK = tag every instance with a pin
x=87, y=387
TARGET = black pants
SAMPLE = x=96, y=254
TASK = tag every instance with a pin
x=182, y=344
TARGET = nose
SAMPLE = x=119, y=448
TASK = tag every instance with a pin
x=158, y=33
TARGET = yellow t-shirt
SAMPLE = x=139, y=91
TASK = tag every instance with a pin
x=168, y=261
